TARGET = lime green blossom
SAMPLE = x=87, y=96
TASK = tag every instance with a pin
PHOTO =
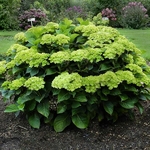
x=15, y=48
x=20, y=37
x=32, y=57
x=67, y=81
x=60, y=57
x=109, y=79
x=2, y=67
x=51, y=27
x=6, y=84
x=129, y=59
x=87, y=30
x=91, y=83
x=135, y=68
x=61, y=39
x=34, y=83
x=47, y=39
x=91, y=54
x=10, y=64
x=16, y=84
x=126, y=76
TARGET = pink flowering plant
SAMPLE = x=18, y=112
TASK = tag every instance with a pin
x=109, y=13
x=134, y=15
x=38, y=14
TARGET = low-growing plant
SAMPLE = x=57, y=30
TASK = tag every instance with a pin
x=66, y=74
x=134, y=15
x=98, y=20
x=38, y=14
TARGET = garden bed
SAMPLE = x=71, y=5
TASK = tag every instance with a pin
x=125, y=134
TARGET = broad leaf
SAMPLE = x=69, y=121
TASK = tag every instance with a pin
x=63, y=96
x=109, y=107
x=127, y=104
x=34, y=121
x=76, y=104
x=61, y=122
x=123, y=97
x=61, y=108
x=16, y=70
x=32, y=71
x=43, y=108
x=50, y=71
x=81, y=97
x=140, y=107
x=11, y=108
x=80, y=120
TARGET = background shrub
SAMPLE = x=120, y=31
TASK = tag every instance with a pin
x=134, y=16
x=69, y=74
x=38, y=14
x=8, y=14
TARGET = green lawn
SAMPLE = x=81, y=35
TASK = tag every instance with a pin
x=141, y=38
x=6, y=39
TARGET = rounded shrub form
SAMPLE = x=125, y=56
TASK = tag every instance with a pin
x=134, y=15
x=66, y=73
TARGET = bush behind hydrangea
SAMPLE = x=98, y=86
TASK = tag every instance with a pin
x=66, y=74
x=134, y=15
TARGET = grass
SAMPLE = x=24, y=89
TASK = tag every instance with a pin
x=6, y=40
x=141, y=38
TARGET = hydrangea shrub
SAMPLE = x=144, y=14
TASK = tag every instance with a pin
x=70, y=74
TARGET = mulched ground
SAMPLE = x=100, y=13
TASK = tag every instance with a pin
x=16, y=134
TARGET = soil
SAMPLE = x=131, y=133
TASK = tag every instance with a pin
x=125, y=134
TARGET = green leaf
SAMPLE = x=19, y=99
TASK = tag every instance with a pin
x=123, y=97
x=32, y=71
x=72, y=37
x=105, y=66
x=128, y=104
x=61, y=122
x=92, y=99
x=81, y=97
x=43, y=108
x=80, y=120
x=11, y=108
x=143, y=97
x=109, y=107
x=63, y=96
x=105, y=91
x=76, y=104
x=50, y=71
x=78, y=110
x=31, y=105
x=16, y=70
x=34, y=121
x=82, y=22
x=24, y=98
x=140, y=107
x=61, y=108
x=115, y=91
x=38, y=98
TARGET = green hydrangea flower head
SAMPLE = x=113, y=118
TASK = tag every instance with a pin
x=2, y=67
x=34, y=83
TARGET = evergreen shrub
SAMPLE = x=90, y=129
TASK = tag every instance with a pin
x=66, y=74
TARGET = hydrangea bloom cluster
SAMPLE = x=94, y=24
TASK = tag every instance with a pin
x=35, y=83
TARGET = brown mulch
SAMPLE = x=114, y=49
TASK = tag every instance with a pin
x=125, y=134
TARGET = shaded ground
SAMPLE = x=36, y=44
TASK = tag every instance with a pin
x=16, y=134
